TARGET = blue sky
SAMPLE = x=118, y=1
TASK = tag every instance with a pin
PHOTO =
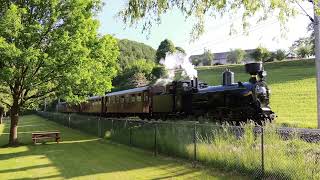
x=176, y=28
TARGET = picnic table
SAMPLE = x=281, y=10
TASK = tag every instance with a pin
x=43, y=135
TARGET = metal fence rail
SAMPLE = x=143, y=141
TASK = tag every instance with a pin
x=260, y=152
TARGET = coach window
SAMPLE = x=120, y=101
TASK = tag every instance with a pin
x=133, y=98
x=126, y=98
x=121, y=99
x=146, y=97
x=139, y=98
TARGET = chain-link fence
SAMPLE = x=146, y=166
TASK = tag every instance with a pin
x=259, y=152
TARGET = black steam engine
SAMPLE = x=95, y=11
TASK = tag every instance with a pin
x=230, y=101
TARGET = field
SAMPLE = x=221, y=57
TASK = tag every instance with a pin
x=216, y=146
x=82, y=156
x=293, y=89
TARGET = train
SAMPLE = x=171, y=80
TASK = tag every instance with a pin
x=229, y=102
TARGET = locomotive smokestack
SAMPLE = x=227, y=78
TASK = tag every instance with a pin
x=253, y=68
x=192, y=83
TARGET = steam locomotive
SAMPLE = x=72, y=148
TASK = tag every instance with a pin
x=230, y=101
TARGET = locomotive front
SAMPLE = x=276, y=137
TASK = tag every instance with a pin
x=259, y=91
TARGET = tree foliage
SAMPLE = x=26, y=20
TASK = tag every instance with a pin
x=305, y=46
x=180, y=49
x=138, y=80
x=208, y=58
x=150, y=11
x=261, y=54
x=236, y=56
x=164, y=47
x=52, y=48
x=142, y=66
x=132, y=50
x=280, y=54
x=204, y=59
x=304, y=51
x=159, y=72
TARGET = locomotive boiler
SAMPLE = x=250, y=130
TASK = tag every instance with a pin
x=229, y=102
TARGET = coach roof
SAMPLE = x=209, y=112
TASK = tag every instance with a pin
x=129, y=91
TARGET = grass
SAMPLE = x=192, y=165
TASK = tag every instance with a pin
x=218, y=146
x=283, y=159
x=293, y=89
x=83, y=156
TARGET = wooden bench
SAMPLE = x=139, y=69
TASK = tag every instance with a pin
x=43, y=135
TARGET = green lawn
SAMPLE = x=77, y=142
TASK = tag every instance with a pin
x=81, y=156
x=293, y=88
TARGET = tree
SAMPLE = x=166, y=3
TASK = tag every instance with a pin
x=280, y=54
x=158, y=72
x=52, y=48
x=1, y=113
x=145, y=67
x=208, y=58
x=236, y=56
x=261, y=54
x=180, y=49
x=195, y=61
x=305, y=46
x=138, y=80
x=150, y=11
x=164, y=47
x=304, y=51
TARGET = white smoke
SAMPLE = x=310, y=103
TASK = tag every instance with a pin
x=174, y=61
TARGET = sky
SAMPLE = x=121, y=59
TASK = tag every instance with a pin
x=175, y=27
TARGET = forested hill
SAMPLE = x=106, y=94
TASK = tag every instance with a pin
x=132, y=50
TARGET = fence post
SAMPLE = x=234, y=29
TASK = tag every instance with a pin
x=102, y=133
x=99, y=134
x=195, y=142
x=262, y=152
x=130, y=134
x=69, y=120
x=155, y=139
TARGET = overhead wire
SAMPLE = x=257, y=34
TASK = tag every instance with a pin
x=252, y=29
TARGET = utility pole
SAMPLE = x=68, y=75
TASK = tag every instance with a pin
x=317, y=56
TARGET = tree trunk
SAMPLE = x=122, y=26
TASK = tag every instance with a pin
x=1, y=114
x=14, y=116
x=1, y=117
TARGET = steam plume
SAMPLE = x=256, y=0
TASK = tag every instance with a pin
x=174, y=61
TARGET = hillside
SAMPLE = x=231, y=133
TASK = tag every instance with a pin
x=132, y=51
x=293, y=89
